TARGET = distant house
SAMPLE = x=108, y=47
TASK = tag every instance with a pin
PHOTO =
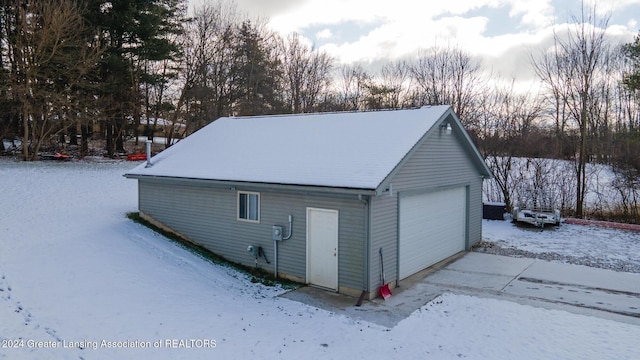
x=407, y=181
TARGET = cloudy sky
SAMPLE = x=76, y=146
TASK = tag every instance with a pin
x=501, y=32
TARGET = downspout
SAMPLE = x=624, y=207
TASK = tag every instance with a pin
x=367, y=242
x=275, y=259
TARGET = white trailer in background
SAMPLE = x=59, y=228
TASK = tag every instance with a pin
x=537, y=217
x=536, y=208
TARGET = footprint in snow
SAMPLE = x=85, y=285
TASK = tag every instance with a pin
x=5, y=289
x=53, y=333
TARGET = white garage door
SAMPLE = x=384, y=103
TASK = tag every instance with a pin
x=432, y=228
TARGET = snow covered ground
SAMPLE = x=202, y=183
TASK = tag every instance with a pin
x=78, y=280
x=599, y=247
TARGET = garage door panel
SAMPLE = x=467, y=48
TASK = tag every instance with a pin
x=432, y=228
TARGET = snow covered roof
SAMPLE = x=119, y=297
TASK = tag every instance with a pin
x=346, y=150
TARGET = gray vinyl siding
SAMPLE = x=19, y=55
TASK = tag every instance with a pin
x=439, y=162
x=384, y=231
x=208, y=215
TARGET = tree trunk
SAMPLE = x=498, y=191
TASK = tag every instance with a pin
x=109, y=138
x=73, y=134
x=84, y=148
x=25, y=140
x=120, y=142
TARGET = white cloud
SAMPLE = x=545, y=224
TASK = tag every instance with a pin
x=607, y=6
x=537, y=13
x=410, y=24
x=398, y=29
x=324, y=34
x=267, y=8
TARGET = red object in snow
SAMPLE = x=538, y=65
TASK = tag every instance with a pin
x=56, y=156
x=385, y=292
x=137, y=157
x=607, y=224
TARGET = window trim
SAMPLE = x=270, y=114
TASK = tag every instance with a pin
x=248, y=193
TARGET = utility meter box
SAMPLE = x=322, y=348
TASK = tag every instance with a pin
x=276, y=232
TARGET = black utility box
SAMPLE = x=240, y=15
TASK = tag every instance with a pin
x=493, y=210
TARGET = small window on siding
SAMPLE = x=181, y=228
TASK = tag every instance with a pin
x=249, y=206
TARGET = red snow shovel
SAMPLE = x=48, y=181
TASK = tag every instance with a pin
x=385, y=292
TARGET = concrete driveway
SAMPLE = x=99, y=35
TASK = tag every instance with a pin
x=556, y=283
x=577, y=289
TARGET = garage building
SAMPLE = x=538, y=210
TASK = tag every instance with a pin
x=314, y=197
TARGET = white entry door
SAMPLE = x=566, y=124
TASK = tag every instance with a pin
x=322, y=248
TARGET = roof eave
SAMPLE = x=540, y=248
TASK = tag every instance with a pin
x=259, y=185
x=384, y=185
x=477, y=158
x=468, y=145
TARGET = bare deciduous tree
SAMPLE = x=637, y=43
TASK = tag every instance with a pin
x=570, y=70
x=207, y=65
x=391, y=90
x=306, y=72
x=449, y=76
x=49, y=60
x=354, y=83
x=507, y=121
